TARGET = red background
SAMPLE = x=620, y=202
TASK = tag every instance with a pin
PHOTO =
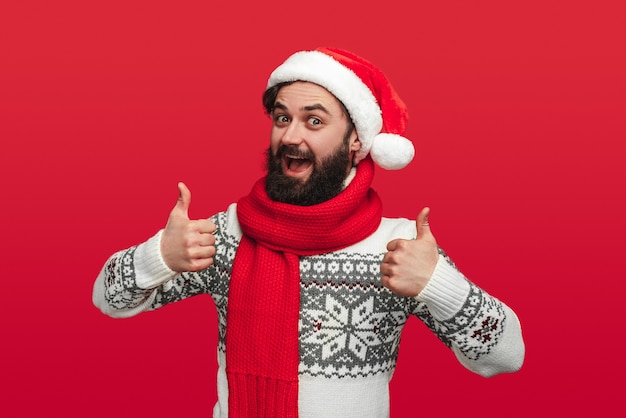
x=517, y=113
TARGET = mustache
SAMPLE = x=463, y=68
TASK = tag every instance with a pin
x=293, y=151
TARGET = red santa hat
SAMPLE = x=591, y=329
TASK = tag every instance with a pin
x=378, y=113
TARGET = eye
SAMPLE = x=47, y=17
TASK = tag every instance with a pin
x=315, y=121
x=280, y=119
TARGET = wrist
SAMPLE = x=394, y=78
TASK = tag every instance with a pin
x=446, y=291
x=151, y=269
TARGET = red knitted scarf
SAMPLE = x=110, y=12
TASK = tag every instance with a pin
x=262, y=351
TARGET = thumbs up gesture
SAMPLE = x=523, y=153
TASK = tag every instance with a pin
x=408, y=264
x=187, y=245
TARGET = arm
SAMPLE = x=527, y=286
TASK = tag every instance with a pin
x=130, y=279
x=151, y=274
x=484, y=333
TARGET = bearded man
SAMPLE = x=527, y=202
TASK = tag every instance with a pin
x=312, y=284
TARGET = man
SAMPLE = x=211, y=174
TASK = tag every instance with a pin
x=312, y=285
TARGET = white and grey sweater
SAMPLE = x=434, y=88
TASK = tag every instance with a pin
x=350, y=324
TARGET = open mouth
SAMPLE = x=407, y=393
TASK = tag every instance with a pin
x=295, y=165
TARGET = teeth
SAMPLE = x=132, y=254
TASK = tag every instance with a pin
x=295, y=162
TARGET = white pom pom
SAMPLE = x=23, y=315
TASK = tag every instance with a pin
x=392, y=151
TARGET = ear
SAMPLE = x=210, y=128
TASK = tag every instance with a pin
x=355, y=143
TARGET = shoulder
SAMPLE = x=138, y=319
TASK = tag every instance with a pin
x=389, y=229
x=392, y=228
x=227, y=222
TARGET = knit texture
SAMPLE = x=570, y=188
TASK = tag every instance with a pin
x=350, y=324
x=262, y=350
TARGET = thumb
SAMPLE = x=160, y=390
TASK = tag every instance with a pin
x=184, y=200
x=423, y=227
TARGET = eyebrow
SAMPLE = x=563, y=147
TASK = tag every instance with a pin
x=279, y=105
x=315, y=107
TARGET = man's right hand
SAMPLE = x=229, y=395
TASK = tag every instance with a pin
x=187, y=245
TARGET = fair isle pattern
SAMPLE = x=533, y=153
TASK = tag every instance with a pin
x=350, y=324
x=225, y=247
x=121, y=288
x=122, y=291
x=477, y=327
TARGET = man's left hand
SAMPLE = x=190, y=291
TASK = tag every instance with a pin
x=408, y=264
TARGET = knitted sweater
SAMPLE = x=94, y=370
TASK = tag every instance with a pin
x=350, y=325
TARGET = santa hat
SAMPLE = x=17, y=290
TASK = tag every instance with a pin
x=379, y=115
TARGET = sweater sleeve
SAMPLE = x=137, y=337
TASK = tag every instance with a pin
x=137, y=280
x=484, y=333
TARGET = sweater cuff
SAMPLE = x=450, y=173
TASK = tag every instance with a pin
x=446, y=291
x=151, y=270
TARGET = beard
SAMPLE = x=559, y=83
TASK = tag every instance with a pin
x=324, y=183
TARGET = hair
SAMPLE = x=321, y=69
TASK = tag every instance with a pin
x=269, y=99
x=269, y=96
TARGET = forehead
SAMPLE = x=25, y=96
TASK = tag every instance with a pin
x=302, y=94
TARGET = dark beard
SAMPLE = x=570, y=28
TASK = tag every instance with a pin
x=325, y=182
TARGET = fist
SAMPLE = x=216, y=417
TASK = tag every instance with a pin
x=187, y=245
x=408, y=264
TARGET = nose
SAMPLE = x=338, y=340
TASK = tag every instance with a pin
x=293, y=134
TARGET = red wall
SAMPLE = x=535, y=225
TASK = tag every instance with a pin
x=517, y=112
